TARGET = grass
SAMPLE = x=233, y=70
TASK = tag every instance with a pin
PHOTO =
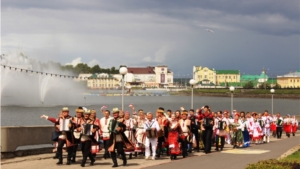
x=290, y=162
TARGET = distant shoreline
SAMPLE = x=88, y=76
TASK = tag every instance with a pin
x=239, y=95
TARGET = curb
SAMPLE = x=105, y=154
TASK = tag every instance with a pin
x=289, y=152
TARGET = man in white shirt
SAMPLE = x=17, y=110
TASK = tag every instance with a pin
x=105, y=134
x=151, y=124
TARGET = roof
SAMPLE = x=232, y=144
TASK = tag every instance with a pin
x=292, y=74
x=198, y=68
x=227, y=72
x=100, y=76
x=249, y=77
x=141, y=70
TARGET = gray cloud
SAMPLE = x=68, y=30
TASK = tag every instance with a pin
x=248, y=35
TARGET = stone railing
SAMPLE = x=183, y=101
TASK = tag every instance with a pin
x=14, y=137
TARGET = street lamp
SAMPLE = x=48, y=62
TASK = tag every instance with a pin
x=231, y=88
x=192, y=83
x=123, y=72
x=272, y=92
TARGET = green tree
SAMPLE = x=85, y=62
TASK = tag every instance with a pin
x=96, y=69
x=82, y=68
x=264, y=86
x=248, y=85
x=277, y=86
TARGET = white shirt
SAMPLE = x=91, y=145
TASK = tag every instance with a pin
x=151, y=124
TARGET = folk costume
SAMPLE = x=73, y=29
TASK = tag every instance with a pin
x=279, y=125
x=294, y=125
x=256, y=131
x=173, y=138
x=77, y=120
x=288, y=125
x=207, y=130
x=273, y=126
x=195, y=130
x=186, y=135
x=129, y=133
x=151, y=138
x=118, y=140
x=105, y=134
x=96, y=147
x=262, y=125
x=220, y=128
x=87, y=139
x=66, y=136
x=162, y=122
x=266, y=130
x=245, y=131
x=237, y=134
x=140, y=135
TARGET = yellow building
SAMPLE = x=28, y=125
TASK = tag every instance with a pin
x=291, y=80
x=227, y=76
x=102, y=81
x=204, y=74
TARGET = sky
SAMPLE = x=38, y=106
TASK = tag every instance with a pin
x=221, y=34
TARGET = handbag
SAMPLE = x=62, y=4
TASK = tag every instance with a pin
x=55, y=135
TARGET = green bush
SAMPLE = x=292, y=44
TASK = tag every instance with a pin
x=290, y=162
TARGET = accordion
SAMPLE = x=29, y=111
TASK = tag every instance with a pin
x=221, y=125
x=64, y=124
x=206, y=122
x=87, y=129
x=261, y=123
x=151, y=133
x=279, y=122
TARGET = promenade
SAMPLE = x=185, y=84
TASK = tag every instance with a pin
x=229, y=158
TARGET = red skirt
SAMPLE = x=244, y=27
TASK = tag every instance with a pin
x=295, y=128
x=273, y=127
x=288, y=128
x=174, y=146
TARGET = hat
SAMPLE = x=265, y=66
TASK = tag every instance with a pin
x=65, y=109
x=184, y=113
x=87, y=111
x=115, y=110
x=93, y=111
x=79, y=110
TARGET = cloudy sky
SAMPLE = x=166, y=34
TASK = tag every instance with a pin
x=245, y=35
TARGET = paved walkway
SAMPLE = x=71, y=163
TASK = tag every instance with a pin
x=229, y=158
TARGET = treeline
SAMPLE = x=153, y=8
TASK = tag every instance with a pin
x=84, y=68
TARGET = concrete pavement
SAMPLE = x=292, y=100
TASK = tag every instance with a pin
x=229, y=158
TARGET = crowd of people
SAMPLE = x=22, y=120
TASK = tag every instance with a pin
x=161, y=133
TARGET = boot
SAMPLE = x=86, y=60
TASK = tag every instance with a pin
x=264, y=139
x=73, y=159
x=83, y=161
x=130, y=156
x=60, y=161
x=124, y=159
x=56, y=156
x=114, y=159
x=92, y=159
x=268, y=139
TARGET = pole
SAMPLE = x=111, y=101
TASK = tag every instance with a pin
x=122, y=92
x=231, y=102
x=192, y=99
x=272, y=104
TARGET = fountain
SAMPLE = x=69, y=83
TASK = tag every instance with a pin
x=26, y=87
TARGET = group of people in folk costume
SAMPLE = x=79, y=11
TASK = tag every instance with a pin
x=150, y=134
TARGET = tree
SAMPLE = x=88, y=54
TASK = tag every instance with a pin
x=96, y=69
x=82, y=68
x=277, y=86
x=248, y=85
x=264, y=86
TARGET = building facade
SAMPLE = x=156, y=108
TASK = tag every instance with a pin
x=204, y=75
x=227, y=76
x=290, y=80
x=102, y=81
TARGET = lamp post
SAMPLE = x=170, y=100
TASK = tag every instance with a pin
x=192, y=83
x=272, y=92
x=123, y=72
x=231, y=88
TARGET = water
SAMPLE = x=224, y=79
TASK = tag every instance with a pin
x=30, y=116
